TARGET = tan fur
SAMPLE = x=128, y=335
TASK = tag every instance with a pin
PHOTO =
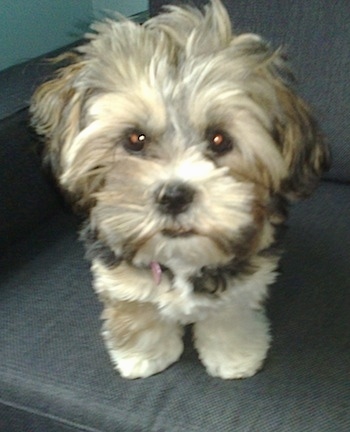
x=302, y=144
x=123, y=325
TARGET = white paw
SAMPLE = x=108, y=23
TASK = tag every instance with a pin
x=232, y=367
x=144, y=364
x=233, y=347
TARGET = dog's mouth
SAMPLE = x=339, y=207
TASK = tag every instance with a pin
x=178, y=232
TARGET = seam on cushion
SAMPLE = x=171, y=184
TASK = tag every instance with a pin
x=179, y=427
x=60, y=420
x=46, y=380
x=85, y=388
x=335, y=181
x=158, y=424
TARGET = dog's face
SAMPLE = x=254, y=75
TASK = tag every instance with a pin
x=178, y=136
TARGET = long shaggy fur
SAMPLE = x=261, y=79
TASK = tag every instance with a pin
x=183, y=143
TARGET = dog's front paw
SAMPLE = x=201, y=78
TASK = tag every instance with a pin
x=139, y=342
x=233, y=348
x=141, y=365
x=232, y=365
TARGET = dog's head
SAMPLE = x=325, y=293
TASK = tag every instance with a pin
x=179, y=136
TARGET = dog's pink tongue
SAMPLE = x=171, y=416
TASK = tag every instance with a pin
x=156, y=272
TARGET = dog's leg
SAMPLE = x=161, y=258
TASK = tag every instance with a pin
x=139, y=341
x=233, y=343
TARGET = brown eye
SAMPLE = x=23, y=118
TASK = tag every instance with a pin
x=135, y=141
x=219, y=142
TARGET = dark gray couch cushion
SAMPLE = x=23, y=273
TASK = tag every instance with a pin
x=26, y=196
x=55, y=374
x=316, y=34
x=17, y=83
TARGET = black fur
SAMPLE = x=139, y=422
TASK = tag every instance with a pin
x=96, y=248
x=215, y=280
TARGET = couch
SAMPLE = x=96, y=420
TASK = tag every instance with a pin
x=55, y=374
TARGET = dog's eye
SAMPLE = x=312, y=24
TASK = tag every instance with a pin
x=219, y=142
x=135, y=141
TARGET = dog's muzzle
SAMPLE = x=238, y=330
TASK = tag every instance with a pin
x=174, y=198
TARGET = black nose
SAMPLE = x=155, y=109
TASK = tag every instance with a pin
x=175, y=198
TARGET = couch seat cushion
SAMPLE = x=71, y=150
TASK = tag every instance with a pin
x=55, y=374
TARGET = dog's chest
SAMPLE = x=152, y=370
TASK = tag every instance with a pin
x=186, y=302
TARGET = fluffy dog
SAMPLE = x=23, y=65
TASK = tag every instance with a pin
x=183, y=143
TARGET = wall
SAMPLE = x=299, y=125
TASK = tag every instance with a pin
x=125, y=7
x=29, y=28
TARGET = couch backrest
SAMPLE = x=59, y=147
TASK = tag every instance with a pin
x=316, y=36
x=26, y=197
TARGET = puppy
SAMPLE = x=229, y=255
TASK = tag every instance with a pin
x=183, y=143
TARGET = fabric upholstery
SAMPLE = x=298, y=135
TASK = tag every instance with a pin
x=56, y=375
x=316, y=36
x=17, y=83
x=26, y=197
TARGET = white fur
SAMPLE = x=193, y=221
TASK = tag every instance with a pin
x=233, y=342
x=154, y=352
x=231, y=333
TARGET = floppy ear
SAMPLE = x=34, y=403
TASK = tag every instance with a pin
x=302, y=145
x=56, y=111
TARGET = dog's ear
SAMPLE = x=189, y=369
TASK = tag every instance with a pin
x=301, y=143
x=56, y=111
